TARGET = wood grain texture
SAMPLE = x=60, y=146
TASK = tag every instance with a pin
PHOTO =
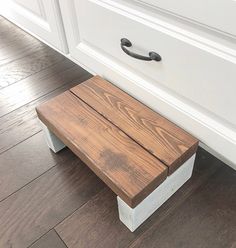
x=22, y=163
x=16, y=38
x=22, y=68
x=16, y=44
x=27, y=90
x=169, y=143
x=96, y=224
x=31, y=212
x=49, y=240
x=22, y=123
x=129, y=170
x=22, y=55
x=207, y=218
x=18, y=48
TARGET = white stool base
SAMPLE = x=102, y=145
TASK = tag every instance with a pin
x=53, y=142
x=134, y=217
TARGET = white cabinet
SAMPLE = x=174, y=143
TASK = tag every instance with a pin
x=194, y=83
x=41, y=18
x=186, y=68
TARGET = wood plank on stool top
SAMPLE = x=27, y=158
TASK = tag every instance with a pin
x=128, y=169
x=162, y=138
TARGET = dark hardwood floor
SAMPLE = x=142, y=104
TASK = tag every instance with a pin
x=55, y=201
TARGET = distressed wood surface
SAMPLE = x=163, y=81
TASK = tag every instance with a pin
x=129, y=170
x=169, y=143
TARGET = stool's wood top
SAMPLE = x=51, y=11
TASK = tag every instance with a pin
x=162, y=138
x=129, y=146
x=128, y=169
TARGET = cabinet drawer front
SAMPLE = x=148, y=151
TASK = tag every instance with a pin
x=215, y=14
x=189, y=69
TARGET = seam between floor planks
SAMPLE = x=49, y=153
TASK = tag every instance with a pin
x=53, y=228
x=77, y=78
x=29, y=68
x=34, y=103
x=48, y=67
x=20, y=142
x=60, y=236
x=73, y=205
x=25, y=185
x=49, y=240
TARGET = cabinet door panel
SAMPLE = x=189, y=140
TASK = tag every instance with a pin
x=41, y=18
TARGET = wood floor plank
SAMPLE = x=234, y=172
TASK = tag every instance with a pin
x=162, y=138
x=22, y=123
x=15, y=44
x=207, y=219
x=96, y=224
x=26, y=66
x=9, y=34
x=17, y=126
x=27, y=161
x=12, y=53
x=49, y=240
x=34, y=55
x=15, y=51
x=128, y=169
x=31, y=212
x=37, y=85
x=14, y=37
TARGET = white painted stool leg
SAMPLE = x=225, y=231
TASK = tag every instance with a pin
x=53, y=142
x=134, y=217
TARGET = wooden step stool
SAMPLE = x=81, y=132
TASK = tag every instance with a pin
x=140, y=155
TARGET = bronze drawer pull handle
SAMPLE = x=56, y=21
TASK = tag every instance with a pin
x=126, y=43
